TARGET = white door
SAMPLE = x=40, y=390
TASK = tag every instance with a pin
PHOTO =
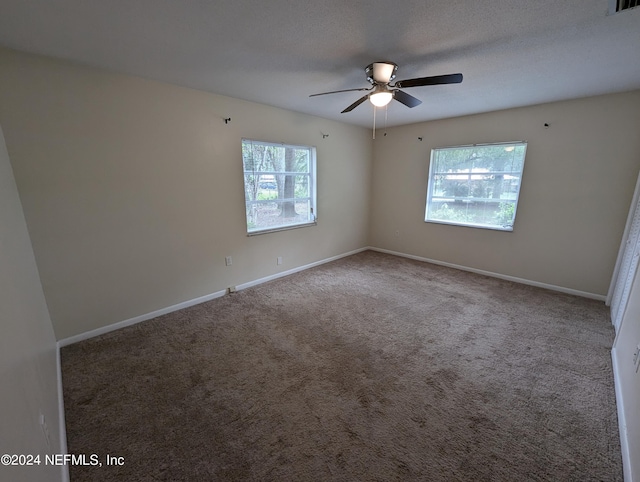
x=627, y=263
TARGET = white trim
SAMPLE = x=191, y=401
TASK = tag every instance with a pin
x=623, y=241
x=218, y=294
x=148, y=316
x=485, y=144
x=495, y=227
x=132, y=321
x=62, y=426
x=296, y=270
x=538, y=284
x=622, y=424
x=282, y=228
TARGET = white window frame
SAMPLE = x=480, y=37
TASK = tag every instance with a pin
x=253, y=176
x=436, y=170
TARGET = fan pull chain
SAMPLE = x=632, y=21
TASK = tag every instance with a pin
x=374, y=121
x=386, y=110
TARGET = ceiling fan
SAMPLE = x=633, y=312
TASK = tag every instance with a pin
x=380, y=74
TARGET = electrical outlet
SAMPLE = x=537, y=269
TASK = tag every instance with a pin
x=232, y=289
x=279, y=260
x=228, y=261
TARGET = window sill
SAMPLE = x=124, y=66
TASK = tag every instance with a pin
x=282, y=228
x=471, y=225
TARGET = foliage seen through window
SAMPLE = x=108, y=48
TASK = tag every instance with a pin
x=475, y=186
x=279, y=185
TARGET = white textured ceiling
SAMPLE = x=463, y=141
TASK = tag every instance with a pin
x=277, y=52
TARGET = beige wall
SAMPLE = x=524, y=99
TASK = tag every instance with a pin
x=133, y=191
x=578, y=180
x=28, y=375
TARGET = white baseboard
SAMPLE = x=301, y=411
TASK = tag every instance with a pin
x=132, y=321
x=148, y=316
x=298, y=269
x=218, y=294
x=538, y=284
x=62, y=428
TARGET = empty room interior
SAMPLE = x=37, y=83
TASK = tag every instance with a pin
x=319, y=241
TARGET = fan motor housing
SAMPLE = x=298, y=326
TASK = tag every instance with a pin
x=380, y=69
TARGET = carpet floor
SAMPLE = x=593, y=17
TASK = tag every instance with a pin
x=372, y=368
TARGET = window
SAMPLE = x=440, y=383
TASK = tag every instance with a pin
x=620, y=5
x=475, y=186
x=279, y=186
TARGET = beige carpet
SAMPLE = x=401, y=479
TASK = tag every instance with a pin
x=372, y=368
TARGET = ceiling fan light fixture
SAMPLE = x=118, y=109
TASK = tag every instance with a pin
x=380, y=99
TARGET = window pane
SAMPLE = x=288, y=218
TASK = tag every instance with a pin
x=279, y=182
x=301, y=160
x=302, y=186
x=268, y=215
x=499, y=214
x=475, y=185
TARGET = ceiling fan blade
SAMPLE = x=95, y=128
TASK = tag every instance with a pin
x=356, y=104
x=338, y=91
x=406, y=99
x=434, y=80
